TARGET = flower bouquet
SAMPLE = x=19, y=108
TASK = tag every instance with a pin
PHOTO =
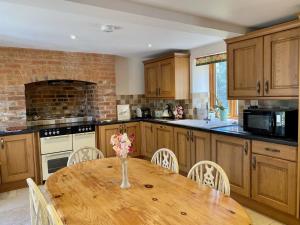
x=122, y=145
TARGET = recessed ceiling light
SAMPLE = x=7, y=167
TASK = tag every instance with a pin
x=149, y=45
x=73, y=37
x=108, y=28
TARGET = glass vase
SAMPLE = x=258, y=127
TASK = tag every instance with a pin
x=125, y=183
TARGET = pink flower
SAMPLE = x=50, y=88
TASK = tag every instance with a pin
x=122, y=144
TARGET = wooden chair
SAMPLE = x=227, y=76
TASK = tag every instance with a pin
x=166, y=158
x=84, y=154
x=210, y=174
x=38, y=204
x=53, y=217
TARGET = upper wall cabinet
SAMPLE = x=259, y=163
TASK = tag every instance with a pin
x=265, y=63
x=168, y=77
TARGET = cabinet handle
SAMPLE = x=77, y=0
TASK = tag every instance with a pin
x=267, y=86
x=158, y=91
x=254, y=162
x=188, y=135
x=2, y=143
x=272, y=150
x=246, y=148
x=258, y=86
x=192, y=136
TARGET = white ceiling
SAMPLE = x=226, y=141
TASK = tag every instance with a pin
x=249, y=13
x=47, y=24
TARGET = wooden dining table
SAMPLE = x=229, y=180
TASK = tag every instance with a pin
x=89, y=193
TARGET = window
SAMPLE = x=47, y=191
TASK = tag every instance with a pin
x=218, y=88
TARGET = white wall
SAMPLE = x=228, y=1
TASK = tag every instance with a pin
x=129, y=76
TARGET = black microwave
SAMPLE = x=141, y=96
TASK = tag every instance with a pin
x=272, y=122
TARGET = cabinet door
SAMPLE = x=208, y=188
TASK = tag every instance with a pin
x=166, y=79
x=245, y=68
x=233, y=155
x=281, y=63
x=151, y=75
x=274, y=182
x=134, y=129
x=147, y=139
x=163, y=137
x=105, y=134
x=17, y=158
x=182, y=148
x=200, y=147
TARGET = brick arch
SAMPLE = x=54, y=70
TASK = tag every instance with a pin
x=23, y=66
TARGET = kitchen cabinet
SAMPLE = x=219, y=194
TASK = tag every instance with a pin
x=274, y=175
x=274, y=183
x=147, y=139
x=133, y=129
x=245, y=68
x=233, y=155
x=105, y=135
x=17, y=159
x=191, y=147
x=168, y=77
x=281, y=63
x=163, y=137
x=265, y=63
x=151, y=83
x=108, y=130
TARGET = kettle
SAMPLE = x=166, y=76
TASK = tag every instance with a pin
x=139, y=112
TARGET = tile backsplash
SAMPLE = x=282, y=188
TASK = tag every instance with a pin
x=136, y=101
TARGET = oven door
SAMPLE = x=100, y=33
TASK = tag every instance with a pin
x=53, y=162
x=81, y=140
x=259, y=122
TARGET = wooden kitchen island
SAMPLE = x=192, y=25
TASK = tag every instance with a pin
x=89, y=193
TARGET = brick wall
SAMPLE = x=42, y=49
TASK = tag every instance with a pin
x=60, y=98
x=22, y=66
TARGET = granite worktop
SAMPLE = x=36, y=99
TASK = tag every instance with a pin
x=227, y=128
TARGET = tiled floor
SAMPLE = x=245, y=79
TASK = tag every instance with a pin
x=14, y=210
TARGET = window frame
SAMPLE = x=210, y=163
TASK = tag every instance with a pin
x=232, y=104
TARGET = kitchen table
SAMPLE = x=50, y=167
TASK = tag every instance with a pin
x=89, y=193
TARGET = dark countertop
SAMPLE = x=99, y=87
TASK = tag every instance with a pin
x=231, y=130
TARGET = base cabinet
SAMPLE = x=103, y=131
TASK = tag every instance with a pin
x=191, y=147
x=163, y=137
x=17, y=158
x=147, y=131
x=133, y=129
x=274, y=182
x=108, y=130
x=233, y=155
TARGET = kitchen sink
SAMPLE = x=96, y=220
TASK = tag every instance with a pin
x=203, y=123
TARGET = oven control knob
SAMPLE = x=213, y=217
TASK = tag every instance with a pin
x=83, y=129
x=50, y=132
x=79, y=129
x=53, y=132
x=46, y=133
x=90, y=128
x=57, y=132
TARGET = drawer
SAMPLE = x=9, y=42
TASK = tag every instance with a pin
x=275, y=150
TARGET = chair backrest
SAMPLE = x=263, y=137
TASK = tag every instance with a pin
x=38, y=204
x=54, y=218
x=166, y=159
x=85, y=154
x=210, y=174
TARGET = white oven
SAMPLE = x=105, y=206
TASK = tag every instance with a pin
x=53, y=162
x=56, y=147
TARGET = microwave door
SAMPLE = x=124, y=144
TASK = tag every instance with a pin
x=260, y=123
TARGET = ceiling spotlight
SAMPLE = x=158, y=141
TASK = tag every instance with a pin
x=73, y=37
x=108, y=28
x=149, y=45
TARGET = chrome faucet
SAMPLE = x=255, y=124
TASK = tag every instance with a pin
x=207, y=119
